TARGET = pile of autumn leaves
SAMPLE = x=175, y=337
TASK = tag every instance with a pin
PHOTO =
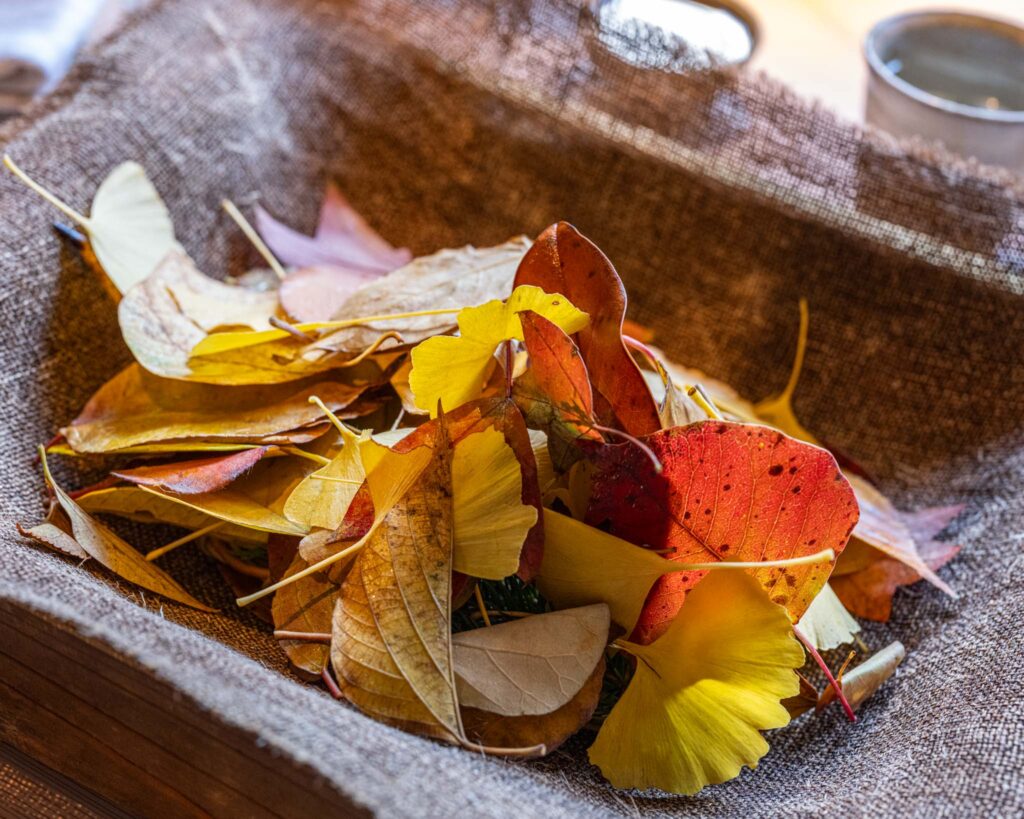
x=366, y=437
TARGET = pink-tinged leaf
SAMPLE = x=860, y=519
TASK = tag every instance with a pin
x=866, y=578
x=886, y=529
x=727, y=492
x=316, y=293
x=196, y=476
x=564, y=261
x=342, y=239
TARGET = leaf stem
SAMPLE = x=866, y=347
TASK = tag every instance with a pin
x=303, y=636
x=332, y=686
x=241, y=602
x=181, y=541
x=828, y=674
x=801, y=349
x=253, y=237
x=824, y=556
x=532, y=751
x=702, y=401
x=480, y=604
x=309, y=456
x=66, y=209
x=655, y=462
x=315, y=399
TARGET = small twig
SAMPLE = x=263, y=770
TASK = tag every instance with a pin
x=76, y=237
x=844, y=666
x=303, y=636
x=254, y=237
x=291, y=329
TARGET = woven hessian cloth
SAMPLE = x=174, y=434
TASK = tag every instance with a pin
x=721, y=200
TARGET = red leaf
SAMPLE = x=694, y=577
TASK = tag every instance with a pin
x=728, y=491
x=195, y=476
x=554, y=393
x=342, y=239
x=563, y=261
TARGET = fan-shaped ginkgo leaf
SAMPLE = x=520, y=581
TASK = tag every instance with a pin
x=452, y=369
x=491, y=521
x=827, y=623
x=129, y=228
x=703, y=691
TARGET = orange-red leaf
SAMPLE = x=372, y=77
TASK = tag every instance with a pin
x=554, y=393
x=563, y=261
x=728, y=492
x=195, y=476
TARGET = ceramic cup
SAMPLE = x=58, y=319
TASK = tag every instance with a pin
x=956, y=78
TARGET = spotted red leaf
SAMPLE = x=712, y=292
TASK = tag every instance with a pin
x=728, y=491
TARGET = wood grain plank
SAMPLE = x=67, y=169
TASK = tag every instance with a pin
x=79, y=708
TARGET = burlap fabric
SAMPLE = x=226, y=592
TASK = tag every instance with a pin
x=720, y=199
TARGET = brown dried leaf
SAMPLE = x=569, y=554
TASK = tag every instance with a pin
x=176, y=306
x=545, y=732
x=136, y=408
x=391, y=646
x=305, y=605
x=121, y=558
x=533, y=665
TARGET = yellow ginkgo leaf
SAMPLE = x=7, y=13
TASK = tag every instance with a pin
x=827, y=623
x=584, y=565
x=452, y=369
x=129, y=228
x=703, y=691
x=323, y=497
x=490, y=520
x=777, y=410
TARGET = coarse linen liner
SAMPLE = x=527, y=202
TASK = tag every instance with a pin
x=721, y=200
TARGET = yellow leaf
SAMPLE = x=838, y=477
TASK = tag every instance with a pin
x=703, y=691
x=133, y=503
x=138, y=411
x=120, y=557
x=129, y=229
x=584, y=565
x=530, y=666
x=453, y=369
x=491, y=521
x=827, y=623
x=323, y=497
